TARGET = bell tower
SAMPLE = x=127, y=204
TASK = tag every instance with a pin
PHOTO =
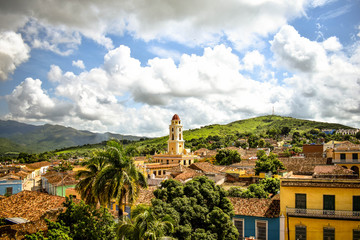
x=176, y=141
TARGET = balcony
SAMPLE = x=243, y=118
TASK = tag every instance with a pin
x=320, y=213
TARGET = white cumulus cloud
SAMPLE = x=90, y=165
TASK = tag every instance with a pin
x=13, y=52
x=79, y=63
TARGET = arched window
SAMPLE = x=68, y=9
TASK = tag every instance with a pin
x=179, y=136
x=172, y=137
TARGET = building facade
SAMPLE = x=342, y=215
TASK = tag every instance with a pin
x=317, y=208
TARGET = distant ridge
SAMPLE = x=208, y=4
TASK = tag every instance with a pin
x=21, y=137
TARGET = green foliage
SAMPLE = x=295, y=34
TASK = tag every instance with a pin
x=235, y=192
x=56, y=230
x=271, y=185
x=227, y=157
x=64, y=166
x=199, y=209
x=145, y=224
x=266, y=163
x=86, y=222
x=261, y=190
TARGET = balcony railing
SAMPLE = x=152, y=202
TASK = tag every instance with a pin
x=320, y=213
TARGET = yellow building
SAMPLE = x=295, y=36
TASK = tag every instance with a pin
x=347, y=156
x=176, y=153
x=319, y=208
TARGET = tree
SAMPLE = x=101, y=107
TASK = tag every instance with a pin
x=86, y=222
x=271, y=185
x=86, y=185
x=119, y=179
x=266, y=163
x=79, y=222
x=253, y=140
x=144, y=225
x=227, y=157
x=56, y=230
x=357, y=135
x=199, y=208
x=285, y=130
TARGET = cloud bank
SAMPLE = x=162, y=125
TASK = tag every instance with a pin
x=124, y=96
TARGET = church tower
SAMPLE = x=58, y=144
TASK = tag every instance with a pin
x=176, y=141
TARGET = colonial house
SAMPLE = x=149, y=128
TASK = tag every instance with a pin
x=258, y=218
x=322, y=206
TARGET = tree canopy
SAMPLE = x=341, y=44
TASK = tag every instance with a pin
x=266, y=163
x=227, y=157
x=199, y=209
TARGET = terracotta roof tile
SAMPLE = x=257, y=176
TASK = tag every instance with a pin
x=38, y=165
x=188, y=174
x=204, y=167
x=29, y=205
x=145, y=195
x=256, y=207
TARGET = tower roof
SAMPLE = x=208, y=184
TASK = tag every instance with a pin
x=175, y=117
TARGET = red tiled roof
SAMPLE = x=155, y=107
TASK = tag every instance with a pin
x=145, y=195
x=204, y=167
x=256, y=207
x=38, y=165
x=59, y=178
x=188, y=174
x=175, y=117
x=331, y=169
x=29, y=205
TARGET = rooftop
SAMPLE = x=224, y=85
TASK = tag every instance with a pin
x=38, y=165
x=29, y=205
x=257, y=207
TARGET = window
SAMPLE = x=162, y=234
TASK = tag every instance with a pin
x=9, y=191
x=159, y=172
x=342, y=156
x=329, y=204
x=167, y=161
x=300, y=202
x=239, y=224
x=179, y=136
x=356, y=234
x=172, y=129
x=355, y=157
x=189, y=162
x=184, y=162
x=154, y=172
x=329, y=233
x=261, y=230
x=172, y=137
x=300, y=232
x=356, y=204
x=164, y=172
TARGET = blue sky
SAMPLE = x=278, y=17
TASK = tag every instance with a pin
x=128, y=66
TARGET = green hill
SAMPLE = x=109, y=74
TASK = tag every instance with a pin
x=257, y=125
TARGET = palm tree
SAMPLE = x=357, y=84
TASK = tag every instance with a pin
x=145, y=225
x=119, y=179
x=88, y=178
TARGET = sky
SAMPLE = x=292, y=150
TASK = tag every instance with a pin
x=127, y=66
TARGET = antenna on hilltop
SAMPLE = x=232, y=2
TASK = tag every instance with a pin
x=273, y=111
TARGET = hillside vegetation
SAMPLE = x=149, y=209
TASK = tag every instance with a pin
x=19, y=137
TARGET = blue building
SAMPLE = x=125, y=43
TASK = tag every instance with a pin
x=258, y=218
x=10, y=184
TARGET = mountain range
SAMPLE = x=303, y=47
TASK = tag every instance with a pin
x=21, y=137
